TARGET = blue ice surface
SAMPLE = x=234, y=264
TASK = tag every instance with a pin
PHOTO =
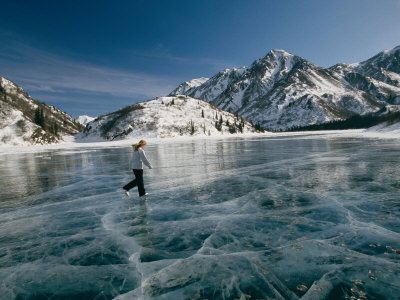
x=261, y=218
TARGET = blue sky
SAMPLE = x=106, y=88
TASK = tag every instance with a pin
x=93, y=57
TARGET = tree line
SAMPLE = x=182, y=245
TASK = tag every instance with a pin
x=354, y=122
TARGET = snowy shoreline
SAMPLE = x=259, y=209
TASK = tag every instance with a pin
x=70, y=143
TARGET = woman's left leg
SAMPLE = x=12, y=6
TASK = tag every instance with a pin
x=139, y=181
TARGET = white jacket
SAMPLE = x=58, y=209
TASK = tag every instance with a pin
x=139, y=157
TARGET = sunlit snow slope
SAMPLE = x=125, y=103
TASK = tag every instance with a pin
x=165, y=117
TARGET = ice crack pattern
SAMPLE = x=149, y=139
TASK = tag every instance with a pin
x=261, y=218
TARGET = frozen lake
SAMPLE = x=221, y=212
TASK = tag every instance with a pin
x=258, y=218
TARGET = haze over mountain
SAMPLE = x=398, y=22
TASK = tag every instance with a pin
x=282, y=90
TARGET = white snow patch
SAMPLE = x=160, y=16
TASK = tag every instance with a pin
x=391, y=51
x=15, y=129
x=393, y=76
x=196, y=82
x=84, y=119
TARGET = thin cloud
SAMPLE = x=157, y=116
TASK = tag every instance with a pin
x=78, y=86
x=41, y=71
x=163, y=53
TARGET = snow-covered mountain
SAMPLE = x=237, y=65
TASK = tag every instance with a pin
x=165, y=117
x=84, y=119
x=24, y=120
x=385, y=66
x=187, y=85
x=282, y=90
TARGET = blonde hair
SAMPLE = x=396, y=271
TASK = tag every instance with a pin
x=139, y=144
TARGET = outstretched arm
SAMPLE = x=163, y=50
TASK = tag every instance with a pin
x=144, y=159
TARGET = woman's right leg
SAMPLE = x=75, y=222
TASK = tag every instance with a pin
x=131, y=184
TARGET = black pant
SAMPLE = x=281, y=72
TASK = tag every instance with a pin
x=138, y=181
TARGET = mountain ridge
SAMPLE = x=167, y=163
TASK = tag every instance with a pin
x=282, y=90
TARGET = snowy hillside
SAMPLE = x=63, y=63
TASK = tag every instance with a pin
x=25, y=121
x=392, y=128
x=391, y=125
x=84, y=119
x=281, y=90
x=165, y=117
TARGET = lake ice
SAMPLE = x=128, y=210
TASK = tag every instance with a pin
x=257, y=218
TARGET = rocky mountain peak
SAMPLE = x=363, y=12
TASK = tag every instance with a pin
x=279, y=53
x=385, y=66
x=282, y=90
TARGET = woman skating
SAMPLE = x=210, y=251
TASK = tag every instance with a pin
x=139, y=157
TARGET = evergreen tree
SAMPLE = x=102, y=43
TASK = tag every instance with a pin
x=42, y=117
x=36, y=118
x=173, y=102
x=39, y=117
x=54, y=128
x=218, y=125
x=202, y=113
x=232, y=129
x=192, y=129
x=258, y=127
x=240, y=127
